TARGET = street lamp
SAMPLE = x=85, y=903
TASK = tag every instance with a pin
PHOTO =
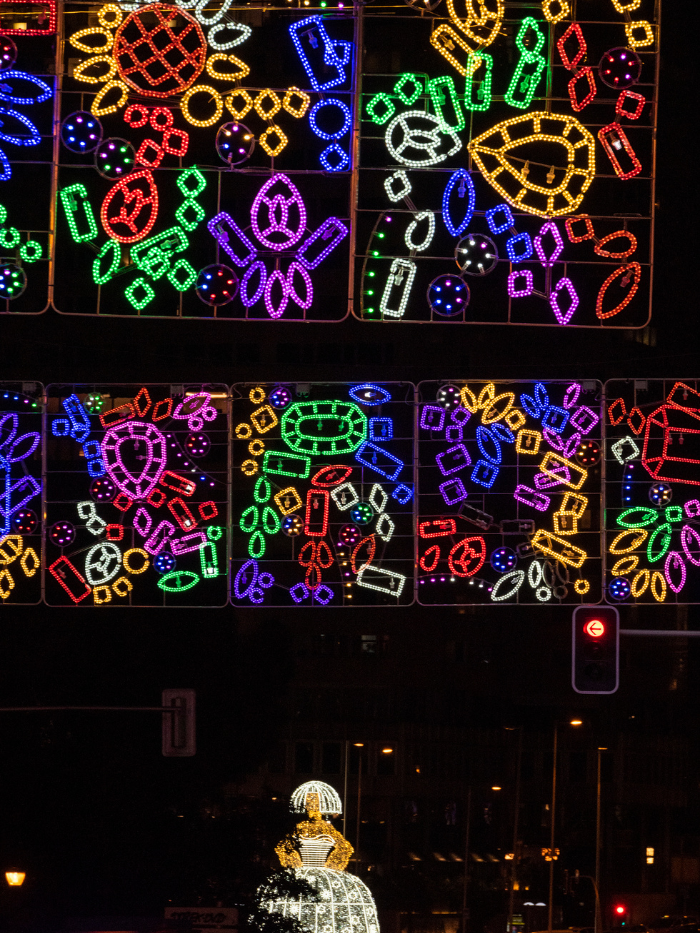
x=15, y=878
x=550, y=905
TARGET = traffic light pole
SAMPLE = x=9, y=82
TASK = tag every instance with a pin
x=659, y=633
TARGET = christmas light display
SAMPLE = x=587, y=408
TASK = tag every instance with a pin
x=137, y=495
x=556, y=127
x=21, y=496
x=322, y=495
x=652, y=506
x=318, y=854
x=159, y=84
x=506, y=509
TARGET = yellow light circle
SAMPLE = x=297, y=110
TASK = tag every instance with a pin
x=103, y=14
x=243, y=431
x=257, y=395
x=256, y=448
x=281, y=136
x=126, y=561
x=249, y=467
x=201, y=89
x=582, y=587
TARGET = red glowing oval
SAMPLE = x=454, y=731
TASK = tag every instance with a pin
x=330, y=476
x=371, y=544
x=634, y=270
x=467, y=557
x=433, y=552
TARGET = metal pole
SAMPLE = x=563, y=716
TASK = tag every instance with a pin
x=345, y=791
x=466, y=861
x=513, y=868
x=597, y=848
x=550, y=905
x=357, y=829
x=98, y=709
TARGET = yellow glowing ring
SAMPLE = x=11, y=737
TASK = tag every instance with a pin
x=468, y=399
x=243, y=431
x=201, y=89
x=256, y=448
x=96, y=59
x=98, y=111
x=625, y=565
x=110, y=8
x=243, y=71
x=92, y=49
x=257, y=395
x=122, y=583
x=290, y=108
x=621, y=545
x=275, y=105
x=659, y=593
x=249, y=467
x=582, y=587
x=280, y=145
x=36, y=563
x=126, y=561
x=648, y=34
x=101, y=594
x=239, y=112
x=640, y=583
x=555, y=17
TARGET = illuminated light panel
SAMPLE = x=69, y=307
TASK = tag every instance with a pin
x=522, y=521
x=121, y=545
x=336, y=523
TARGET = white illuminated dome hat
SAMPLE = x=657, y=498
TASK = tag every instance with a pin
x=329, y=803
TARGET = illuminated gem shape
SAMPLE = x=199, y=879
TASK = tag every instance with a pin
x=81, y=132
x=380, y=108
x=408, y=98
x=585, y=74
x=441, y=91
x=381, y=580
x=429, y=232
x=448, y=295
x=136, y=202
x=397, y=290
x=216, y=285
x=232, y=239
x=568, y=185
x=660, y=494
x=282, y=140
x=319, y=53
x=369, y=394
x=620, y=68
x=279, y=206
x=615, y=142
x=324, y=427
x=571, y=64
x=529, y=68
x=629, y=275
x=323, y=241
x=496, y=225
x=416, y=130
x=297, y=110
x=503, y=559
x=134, y=439
x=343, y=159
x=75, y=201
x=476, y=254
x=13, y=280
x=564, y=316
x=516, y=290
x=395, y=193
x=459, y=183
x=484, y=473
x=664, y=457
x=477, y=94
x=674, y=571
x=633, y=37
x=637, y=517
x=639, y=106
x=234, y=143
x=160, y=50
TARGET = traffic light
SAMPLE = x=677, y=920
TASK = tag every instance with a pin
x=179, y=739
x=595, y=649
x=620, y=912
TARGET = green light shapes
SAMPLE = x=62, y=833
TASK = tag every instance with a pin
x=440, y=90
x=325, y=428
x=387, y=102
x=140, y=302
x=31, y=251
x=99, y=276
x=182, y=276
x=408, y=99
x=473, y=89
x=522, y=83
x=74, y=198
x=191, y=175
x=181, y=214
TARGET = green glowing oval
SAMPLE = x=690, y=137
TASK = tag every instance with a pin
x=325, y=428
x=249, y=519
x=657, y=549
x=256, y=545
x=271, y=523
x=637, y=517
x=178, y=581
x=262, y=491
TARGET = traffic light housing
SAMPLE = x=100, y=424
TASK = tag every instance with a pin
x=595, y=649
x=179, y=737
x=620, y=913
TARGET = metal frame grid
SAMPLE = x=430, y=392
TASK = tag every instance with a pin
x=21, y=492
x=322, y=494
x=270, y=102
x=652, y=491
x=137, y=495
x=509, y=492
x=423, y=236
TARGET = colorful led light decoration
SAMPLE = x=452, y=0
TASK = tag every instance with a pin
x=538, y=163
x=151, y=524
x=20, y=493
x=325, y=507
x=652, y=479
x=508, y=517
